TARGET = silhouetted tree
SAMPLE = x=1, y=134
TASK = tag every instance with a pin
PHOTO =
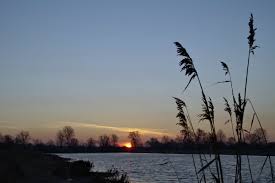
x=221, y=137
x=165, y=139
x=50, y=143
x=152, y=142
x=65, y=136
x=104, y=141
x=74, y=142
x=231, y=141
x=69, y=134
x=135, y=139
x=257, y=137
x=188, y=138
x=23, y=137
x=1, y=138
x=114, y=140
x=91, y=142
x=37, y=142
x=261, y=134
x=201, y=136
x=179, y=139
x=60, y=139
x=250, y=138
x=8, y=139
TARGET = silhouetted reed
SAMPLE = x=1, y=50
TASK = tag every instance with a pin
x=229, y=111
x=185, y=128
x=190, y=133
x=207, y=107
x=239, y=106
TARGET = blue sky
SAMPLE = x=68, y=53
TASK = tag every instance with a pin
x=113, y=63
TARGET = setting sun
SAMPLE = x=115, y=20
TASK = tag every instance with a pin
x=128, y=145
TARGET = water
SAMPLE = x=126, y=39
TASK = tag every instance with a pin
x=163, y=168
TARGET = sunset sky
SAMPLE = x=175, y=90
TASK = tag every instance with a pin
x=107, y=67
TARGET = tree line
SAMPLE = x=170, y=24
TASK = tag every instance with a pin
x=66, y=140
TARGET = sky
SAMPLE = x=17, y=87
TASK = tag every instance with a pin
x=107, y=67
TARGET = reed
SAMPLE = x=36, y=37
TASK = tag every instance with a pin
x=239, y=107
x=188, y=132
x=187, y=65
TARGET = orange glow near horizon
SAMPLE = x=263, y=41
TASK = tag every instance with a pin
x=127, y=144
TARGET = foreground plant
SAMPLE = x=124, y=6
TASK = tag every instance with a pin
x=187, y=65
x=187, y=132
x=239, y=106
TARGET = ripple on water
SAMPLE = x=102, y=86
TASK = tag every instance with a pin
x=163, y=168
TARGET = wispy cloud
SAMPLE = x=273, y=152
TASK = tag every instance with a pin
x=159, y=132
x=7, y=125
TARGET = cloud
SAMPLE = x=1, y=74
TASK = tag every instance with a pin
x=7, y=125
x=159, y=132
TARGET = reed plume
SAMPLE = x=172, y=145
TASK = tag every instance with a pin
x=187, y=131
x=182, y=118
x=239, y=106
x=185, y=128
x=229, y=111
x=187, y=65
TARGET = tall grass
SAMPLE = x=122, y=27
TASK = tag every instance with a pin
x=239, y=106
x=188, y=132
x=187, y=65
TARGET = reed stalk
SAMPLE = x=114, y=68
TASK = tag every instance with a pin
x=185, y=128
x=208, y=107
x=265, y=139
x=239, y=105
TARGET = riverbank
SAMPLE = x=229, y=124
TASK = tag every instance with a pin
x=24, y=166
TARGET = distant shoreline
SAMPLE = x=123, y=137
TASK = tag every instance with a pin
x=194, y=153
x=224, y=149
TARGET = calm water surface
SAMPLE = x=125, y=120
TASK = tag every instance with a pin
x=163, y=168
